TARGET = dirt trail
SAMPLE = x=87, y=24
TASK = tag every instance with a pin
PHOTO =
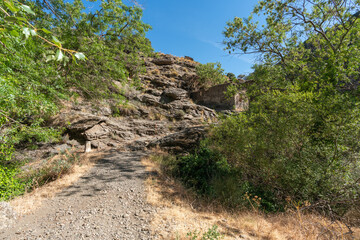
x=109, y=202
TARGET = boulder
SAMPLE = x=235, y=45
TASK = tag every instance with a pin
x=163, y=61
x=175, y=93
x=189, y=58
x=162, y=82
x=96, y=132
x=150, y=99
x=154, y=92
x=183, y=141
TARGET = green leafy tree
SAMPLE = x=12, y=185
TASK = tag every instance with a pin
x=16, y=21
x=210, y=74
x=315, y=43
x=300, y=137
x=112, y=38
x=42, y=43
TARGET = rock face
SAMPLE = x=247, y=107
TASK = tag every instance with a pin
x=162, y=114
x=187, y=139
x=175, y=93
x=216, y=98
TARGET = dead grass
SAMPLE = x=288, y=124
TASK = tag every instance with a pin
x=33, y=200
x=180, y=211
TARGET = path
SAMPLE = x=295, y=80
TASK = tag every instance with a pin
x=107, y=203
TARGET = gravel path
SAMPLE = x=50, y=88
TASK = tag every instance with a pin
x=107, y=203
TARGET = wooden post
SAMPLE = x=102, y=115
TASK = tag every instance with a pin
x=88, y=146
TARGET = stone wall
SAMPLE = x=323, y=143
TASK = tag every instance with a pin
x=216, y=98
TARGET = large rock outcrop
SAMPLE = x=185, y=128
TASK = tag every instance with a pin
x=161, y=114
x=216, y=98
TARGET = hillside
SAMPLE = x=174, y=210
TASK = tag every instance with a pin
x=102, y=137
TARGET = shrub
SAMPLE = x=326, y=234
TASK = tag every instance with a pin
x=198, y=170
x=295, y=146
x=211, y=234
x=210, y=74
x=9, y=183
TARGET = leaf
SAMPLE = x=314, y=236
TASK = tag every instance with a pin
x=11, y=6
x=26, y=32
x=74, y=58
x=80, y=56
x=21, y=19
x=59, y=55
x=27, y=9
x=45, y=31
x=33, y=32
x=11, y=19
x=14, y=33
x=56, y=41
x=50, y=58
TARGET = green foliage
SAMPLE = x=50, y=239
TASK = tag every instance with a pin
x=290, y=145
x=16, y=22
x=210, y=74
x=199, y=169
x=42, y=43
x=211, y=234
x=10, y=185
x=112, y=38
x=300, y=137
x=314, y=43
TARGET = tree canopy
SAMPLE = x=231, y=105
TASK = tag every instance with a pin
x=315, y=40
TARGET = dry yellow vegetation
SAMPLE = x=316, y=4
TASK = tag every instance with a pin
x=31, y=201
x=180, y=211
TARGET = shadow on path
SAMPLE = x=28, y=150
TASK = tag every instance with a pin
x=113, y=168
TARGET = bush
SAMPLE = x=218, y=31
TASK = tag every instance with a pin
x=208, y=173
x=210, y=74
x=198, y=170
x=10, y=185
x=293, y=146
x=211, y=234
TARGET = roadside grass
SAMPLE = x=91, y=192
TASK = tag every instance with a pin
x=182, y=212
x=57, y=173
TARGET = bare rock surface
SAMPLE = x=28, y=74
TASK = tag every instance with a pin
x=183, y=141
x=107, y=203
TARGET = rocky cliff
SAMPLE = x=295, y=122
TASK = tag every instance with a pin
x=160, y=114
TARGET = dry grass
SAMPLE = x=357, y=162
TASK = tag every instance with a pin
x=180, y=212
x=33, y=200
x=156, y=116
x=155, y=72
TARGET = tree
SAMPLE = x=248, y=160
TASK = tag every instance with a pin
x=210, y=74
x=16, y=22
x=37, y=69
x=111, y=37
x=299, y=140
x=315, y=40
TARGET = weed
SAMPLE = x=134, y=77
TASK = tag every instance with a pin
x=211, y=234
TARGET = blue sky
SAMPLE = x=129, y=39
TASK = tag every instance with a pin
x=194, y=28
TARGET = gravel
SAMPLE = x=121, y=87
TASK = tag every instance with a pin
x=107, y=203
